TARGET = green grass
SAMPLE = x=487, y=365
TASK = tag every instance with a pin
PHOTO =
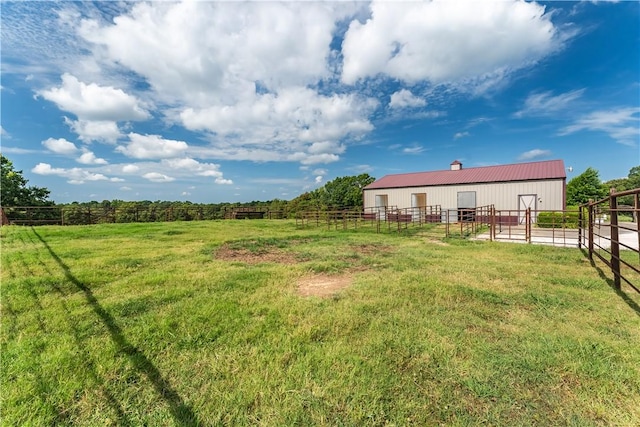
x=140, y=324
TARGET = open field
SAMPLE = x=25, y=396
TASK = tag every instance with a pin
x=260, y=323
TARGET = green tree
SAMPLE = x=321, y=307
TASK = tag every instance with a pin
x=344, y=192
x=14, y=190
x=629, y=183
x=585, y=186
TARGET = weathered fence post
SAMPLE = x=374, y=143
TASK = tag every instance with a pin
x=615, y=242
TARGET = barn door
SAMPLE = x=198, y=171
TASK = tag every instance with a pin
x=381, y=206
x=418, y=203
x=526, y=201
x=466, y=205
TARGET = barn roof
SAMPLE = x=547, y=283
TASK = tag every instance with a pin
x=551, y=169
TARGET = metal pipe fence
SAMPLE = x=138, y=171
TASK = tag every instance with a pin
x=606, y=233
x=86, y=215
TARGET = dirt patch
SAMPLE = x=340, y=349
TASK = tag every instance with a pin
x=322, y=285
x=228, y=253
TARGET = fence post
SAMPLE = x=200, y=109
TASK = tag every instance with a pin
x=493, y=223
x=636, y=216
x=580, y=225
x=591, y=229
x=615, y=242
x=527, y=225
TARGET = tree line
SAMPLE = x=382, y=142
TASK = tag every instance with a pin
x=338, y=194
x=588, y=186
x=341, y=193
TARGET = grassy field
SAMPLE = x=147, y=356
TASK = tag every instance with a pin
x=260, y=323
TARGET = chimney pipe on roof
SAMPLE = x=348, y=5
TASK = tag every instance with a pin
x=456, y=165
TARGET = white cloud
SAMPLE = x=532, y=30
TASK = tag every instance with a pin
x=201, y=53
x=223, y=181
x=89, y=158
x=448, y=41
x=130, y=169
x=320, y=172
x=60, y=146
x=544, y=103
x=536, y=153
x=405, y=99
x=255, y=102
x=125, y=188
x=73, y=175
x=325, y=147
x=18, y=150
x=416, y=149
x=459, y=135
x=621, y=124
x=314, y=159
x=191, y=166
x=151, y=147
x=157, y=177
x=287, y=121
x=94, y=130
x=4, y=133
x=318, y=179
x=93, y=102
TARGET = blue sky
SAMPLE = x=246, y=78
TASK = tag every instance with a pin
x=227, y=101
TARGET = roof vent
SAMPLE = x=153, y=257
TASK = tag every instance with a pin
x=456, y=165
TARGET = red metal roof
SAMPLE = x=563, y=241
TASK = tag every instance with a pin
x=551, y=169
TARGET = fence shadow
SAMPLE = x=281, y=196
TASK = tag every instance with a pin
x=181, y=412
x=630, y=302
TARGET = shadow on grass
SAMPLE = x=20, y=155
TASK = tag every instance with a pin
x=631, y=303
x=181, y=412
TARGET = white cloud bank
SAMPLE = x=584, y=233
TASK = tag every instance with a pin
x=73, y=175
x=244, y=74
x=456, y=42
x=97, y=108
x=93, y=102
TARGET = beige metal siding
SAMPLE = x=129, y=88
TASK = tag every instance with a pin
x=504, y=195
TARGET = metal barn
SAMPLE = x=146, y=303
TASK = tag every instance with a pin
x=513, y=187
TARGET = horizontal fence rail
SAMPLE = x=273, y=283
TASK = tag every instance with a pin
x=83, y=215
x=606, y=233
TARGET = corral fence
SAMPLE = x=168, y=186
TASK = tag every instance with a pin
x=253, y=212
x=450, y=222
x=606, y=233
x=86, y=215
x=602, y=227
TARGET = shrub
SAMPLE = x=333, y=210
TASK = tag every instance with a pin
x=566, y=219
